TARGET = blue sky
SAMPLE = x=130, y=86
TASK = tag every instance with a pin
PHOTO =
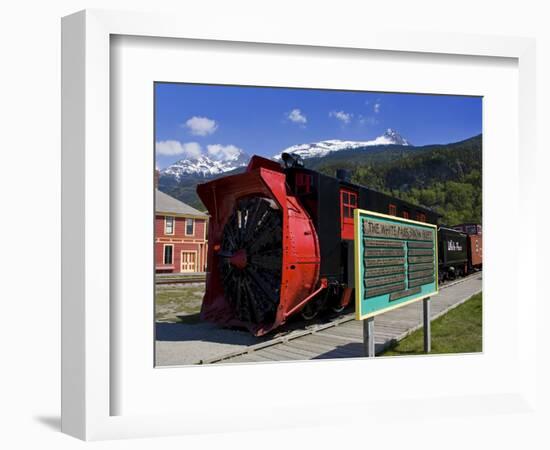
x=193, y=119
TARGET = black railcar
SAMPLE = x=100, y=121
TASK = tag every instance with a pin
x=452, y=253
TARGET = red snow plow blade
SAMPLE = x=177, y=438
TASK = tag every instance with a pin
x=263, y=252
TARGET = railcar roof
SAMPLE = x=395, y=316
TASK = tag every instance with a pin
x=452, y=230
x=355, y=185
x=409, y=204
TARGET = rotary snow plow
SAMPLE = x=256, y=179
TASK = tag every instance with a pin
x=263, y=253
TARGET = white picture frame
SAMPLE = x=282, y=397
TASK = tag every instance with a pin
x=89, y=321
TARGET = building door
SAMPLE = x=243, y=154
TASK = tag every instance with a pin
x=188, y=261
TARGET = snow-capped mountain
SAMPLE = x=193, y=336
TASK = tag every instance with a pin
x=208, y=165
x=323, y=148
x=204, y=166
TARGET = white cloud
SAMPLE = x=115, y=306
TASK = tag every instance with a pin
x=368, y=120
x=342, y=116
x=376, y=107
x=223, y=152
x=296, y=116
x=201, y=126
x=191, y=150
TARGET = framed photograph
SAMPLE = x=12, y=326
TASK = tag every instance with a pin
x=256, y=258
x=242, y=210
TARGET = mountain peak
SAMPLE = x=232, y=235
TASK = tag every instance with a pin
x=323, y=148
x=205, y=165
x=395, y=137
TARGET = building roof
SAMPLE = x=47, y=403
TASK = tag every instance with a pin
x=164, y=203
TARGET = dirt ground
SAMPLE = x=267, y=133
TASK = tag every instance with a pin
x=178, y=299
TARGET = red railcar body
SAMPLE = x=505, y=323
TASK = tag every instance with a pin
x=475, y=244
x=297, y=253
x=475, y=250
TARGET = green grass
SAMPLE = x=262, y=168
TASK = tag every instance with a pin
x=458, y=331
x=171, y=301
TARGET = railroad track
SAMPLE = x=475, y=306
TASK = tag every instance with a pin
x=295, y=344
x=180, y=279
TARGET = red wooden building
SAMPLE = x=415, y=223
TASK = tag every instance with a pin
x=180, y=236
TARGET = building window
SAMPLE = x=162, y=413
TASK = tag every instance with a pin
x=421, y=217
x=392, y=210
x=169, y=225
x=405, y=214
x=168, y=254
x=189, y=227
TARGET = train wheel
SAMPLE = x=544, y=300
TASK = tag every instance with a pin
x=451, y=274
x=337, y=308
x=310, y=311
x=315, y=306
x=336, y=301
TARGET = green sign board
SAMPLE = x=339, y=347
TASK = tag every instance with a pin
x=395, y=262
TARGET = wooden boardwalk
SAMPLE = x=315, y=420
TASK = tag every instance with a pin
x=344, y=337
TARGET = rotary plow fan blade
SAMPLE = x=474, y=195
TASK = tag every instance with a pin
x=251, y=259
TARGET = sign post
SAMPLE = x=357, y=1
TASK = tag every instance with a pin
x=395, y=264
x=368, y=337
x=427, y=326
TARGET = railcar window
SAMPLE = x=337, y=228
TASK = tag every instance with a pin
x=348, y=203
